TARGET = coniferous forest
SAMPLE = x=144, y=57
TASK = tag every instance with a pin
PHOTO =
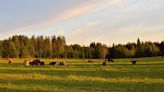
x=21, y=46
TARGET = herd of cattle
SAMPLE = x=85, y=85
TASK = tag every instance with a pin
x=38, y=62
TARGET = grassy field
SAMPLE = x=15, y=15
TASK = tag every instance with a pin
x=80, y=76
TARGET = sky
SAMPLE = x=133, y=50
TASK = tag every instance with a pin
x=84, y=21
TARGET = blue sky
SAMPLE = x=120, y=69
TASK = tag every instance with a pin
x=84, y=21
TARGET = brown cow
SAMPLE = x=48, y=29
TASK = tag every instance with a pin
x=10, y=60
x=36, y=62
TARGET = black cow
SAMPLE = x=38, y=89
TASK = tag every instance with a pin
x=52, y=63
x=134, y=62
x=42, y=63
x=105, y=62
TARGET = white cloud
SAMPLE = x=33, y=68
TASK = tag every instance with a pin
x=63, y=16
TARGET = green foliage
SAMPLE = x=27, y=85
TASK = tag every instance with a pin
x=55, y=47
x=121, y=52
x=98, y=50
x=9, y=49
x=152, y=50
x=1, y=49
x=147, y=49
x=162, y=48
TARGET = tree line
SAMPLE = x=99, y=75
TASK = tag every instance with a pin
x=21, y=46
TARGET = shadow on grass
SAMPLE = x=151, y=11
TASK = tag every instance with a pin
x=87, y=86
x=139, y=73
x=95, y=70
x=15, y=90
x=151, y=65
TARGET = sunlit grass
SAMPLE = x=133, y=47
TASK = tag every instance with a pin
x=78, y=75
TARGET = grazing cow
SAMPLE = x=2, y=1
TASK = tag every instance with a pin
x=104, y=63
x=32, y=63
x=63, y=63
x=42, y=63
x=90, y=61
x=52, y=63
x=36, y=62
x=134, y=62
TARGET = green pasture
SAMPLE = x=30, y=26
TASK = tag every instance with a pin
x=81, y=76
